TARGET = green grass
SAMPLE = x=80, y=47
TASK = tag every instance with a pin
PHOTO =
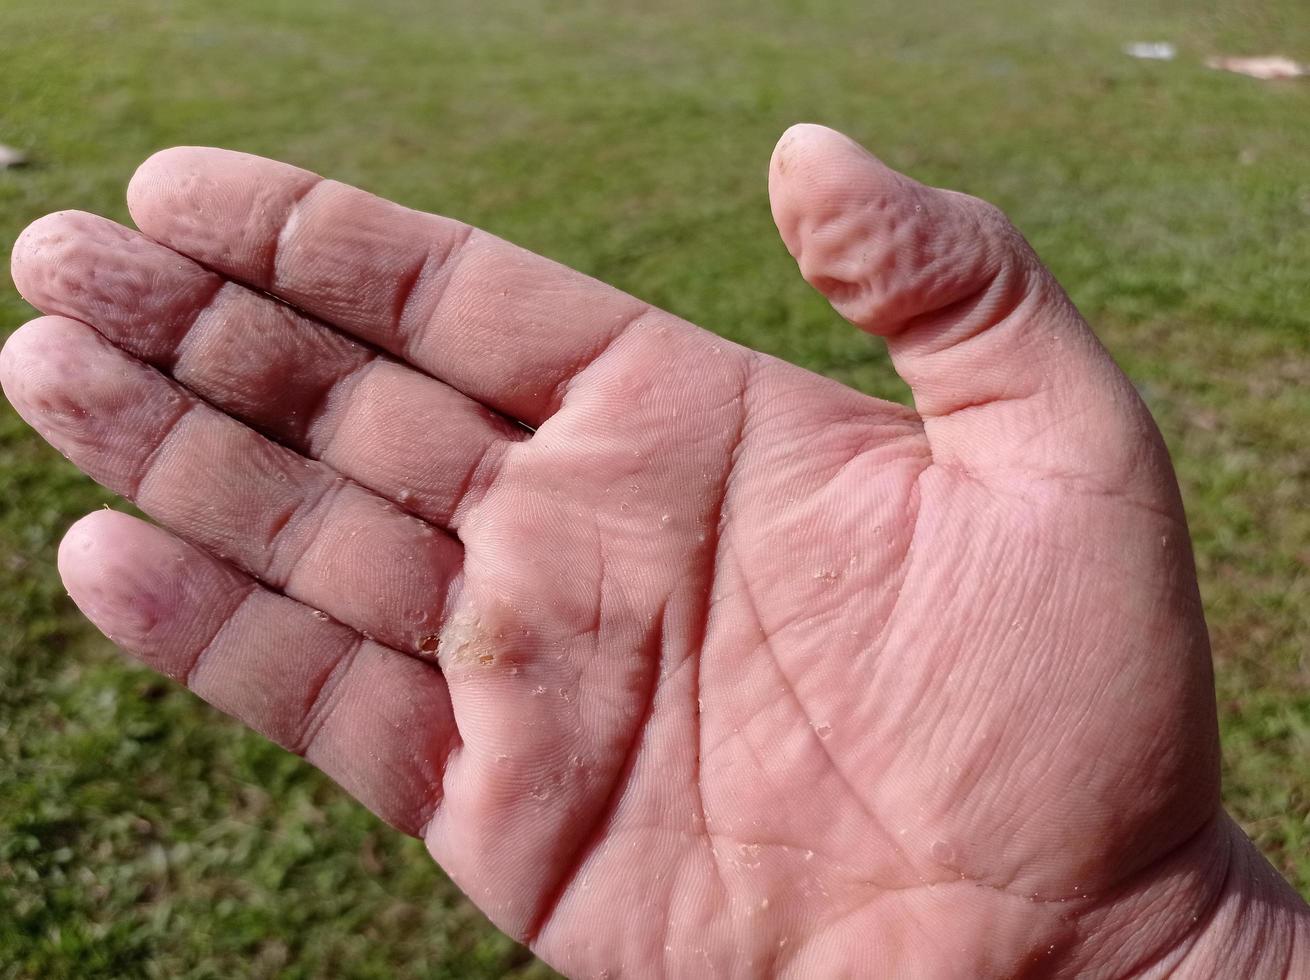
x=143, y=834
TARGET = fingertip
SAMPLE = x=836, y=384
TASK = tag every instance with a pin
x=167, y=161
x=77, y=564
x=11, y=351
x=220, y=207
x=801, y=139
x=34, y=245
x=152, y=178
x=43, y=332
x=55, y=258
x=810, y=155
x=166, y=185
x=109, y=564
x=884, y=248
x=12, y=355
x=92, y=402
x=42, y=369
x=791, y=137
x=818, y=176
x=79, y=549
x=31, y=352
x=788, y=154
x=175, y=177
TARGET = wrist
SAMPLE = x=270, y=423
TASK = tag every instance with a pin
x=1258, y=926
x=1213, y=908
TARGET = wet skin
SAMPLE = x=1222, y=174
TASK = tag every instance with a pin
x=681, y=659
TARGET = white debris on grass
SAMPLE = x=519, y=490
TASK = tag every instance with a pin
x=1268, y=67
x=9, y=157
x=1151, y=50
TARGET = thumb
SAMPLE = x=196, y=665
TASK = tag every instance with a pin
x=1004, y=371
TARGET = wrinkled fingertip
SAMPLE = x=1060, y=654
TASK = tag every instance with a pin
x=109, y=562
x=12, y=353
x=798, y=141
x=80, y=546
x=86, y=564
x=41, y=359
x=95, y=547
x=816, y=173
x=166, y=183
x=171, y=181
x=810, y=154
x=149, y=185
x=49, y=258
x=37, y=244
x=31, y=352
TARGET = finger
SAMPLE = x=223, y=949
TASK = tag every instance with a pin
x=397, y=431
x=506, y=327
x=378, y=723
x=291, y=522
x=1003, y=369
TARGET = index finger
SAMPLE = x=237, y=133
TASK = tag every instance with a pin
x=503, y=325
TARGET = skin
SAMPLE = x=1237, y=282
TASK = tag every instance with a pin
x=682, y=660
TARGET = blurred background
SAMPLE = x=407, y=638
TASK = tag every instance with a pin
x=142, y=834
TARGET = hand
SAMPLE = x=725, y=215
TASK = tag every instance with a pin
x=681, y=659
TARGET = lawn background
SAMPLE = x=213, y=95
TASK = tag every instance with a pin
x=142, y=834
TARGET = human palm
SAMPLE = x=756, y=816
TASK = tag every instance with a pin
x=680, y=658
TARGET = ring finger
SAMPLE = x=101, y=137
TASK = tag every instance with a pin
x=294, y=523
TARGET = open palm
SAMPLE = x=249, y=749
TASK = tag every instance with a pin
x=680, y=658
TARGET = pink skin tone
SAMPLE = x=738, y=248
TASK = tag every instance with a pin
x=712, y=666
